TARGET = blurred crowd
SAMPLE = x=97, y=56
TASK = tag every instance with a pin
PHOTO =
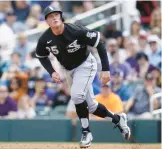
x=27, y=90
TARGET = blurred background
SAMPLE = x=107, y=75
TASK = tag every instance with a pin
x=132, y=34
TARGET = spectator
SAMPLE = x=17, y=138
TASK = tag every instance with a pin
x=15, y=61
x=62, y=97
x=14, y=71
x=8, y=106
x=31, y=61
x=21, y=9
x=25, y=108
x=143, y=66
x=138, y=106
x=43, y=4
x=157, y=76
x=156, y=18
x=132, y=48
x=77, y=7
x=31, y=23
x=9, y=73
x=41, y=96
x=123, y=67
x=7, y=41
x=156, y=31
x=155, y=55
x=15, y=25
x=109, y=99
x=16, y=91
x=36, y=12
x=35, y=73
x=145, y=8
x=5, y=6
x=118, y=86
x=23, y=47
x=88, y=5
x=112, y=47
x=135, y=28
x=142, y=41
x=111, y=32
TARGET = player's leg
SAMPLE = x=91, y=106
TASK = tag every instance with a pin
x=82, y=79
x=100, y=110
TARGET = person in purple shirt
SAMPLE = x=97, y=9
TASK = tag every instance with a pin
x=123, y=67
x=8, y=106
x=143, y=66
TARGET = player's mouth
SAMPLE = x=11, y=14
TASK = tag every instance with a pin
x=55, y=21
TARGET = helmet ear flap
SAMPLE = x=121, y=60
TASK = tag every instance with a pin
x=62, y=17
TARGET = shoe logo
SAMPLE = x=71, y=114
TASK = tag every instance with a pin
x=74, y=46
x=49, y=41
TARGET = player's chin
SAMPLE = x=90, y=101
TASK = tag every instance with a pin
x=56, y=24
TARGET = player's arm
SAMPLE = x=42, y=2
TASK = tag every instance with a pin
x=105, y=74
x=103, y=56
x=42, y=54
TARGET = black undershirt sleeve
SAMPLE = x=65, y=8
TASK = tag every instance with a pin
x=42, y=54
x=103, y=56
x=92, y=38
x=46, y=63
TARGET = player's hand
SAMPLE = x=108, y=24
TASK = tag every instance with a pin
x=105, y=77
x=56, y=77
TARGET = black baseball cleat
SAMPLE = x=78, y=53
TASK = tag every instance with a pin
x=86, y=139
x=123, y=127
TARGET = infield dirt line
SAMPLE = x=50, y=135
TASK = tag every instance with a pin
x=75, y=146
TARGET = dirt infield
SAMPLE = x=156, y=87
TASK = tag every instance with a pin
x=75, y=146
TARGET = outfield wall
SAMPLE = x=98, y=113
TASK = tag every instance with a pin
x=61, y=130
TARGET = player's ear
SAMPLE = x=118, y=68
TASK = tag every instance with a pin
x=62, y=17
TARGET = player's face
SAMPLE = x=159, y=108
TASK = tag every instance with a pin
x=54, y=20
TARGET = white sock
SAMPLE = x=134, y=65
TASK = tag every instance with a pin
x=84, y=122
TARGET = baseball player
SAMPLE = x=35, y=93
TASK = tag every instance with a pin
x=68, y=43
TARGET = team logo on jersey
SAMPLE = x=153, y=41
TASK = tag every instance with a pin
x=74, y=46
x=53, y=49
x=91, y=35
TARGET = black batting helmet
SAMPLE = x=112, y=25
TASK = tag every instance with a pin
x=50, y=9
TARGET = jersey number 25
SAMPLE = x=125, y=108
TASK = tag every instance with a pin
x=53, y=49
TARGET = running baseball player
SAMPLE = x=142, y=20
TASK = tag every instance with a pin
x=68, y=43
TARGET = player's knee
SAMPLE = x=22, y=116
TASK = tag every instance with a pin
x=77, y=97
x=93, y=107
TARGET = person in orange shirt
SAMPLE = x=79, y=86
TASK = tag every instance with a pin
x=109, y=99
